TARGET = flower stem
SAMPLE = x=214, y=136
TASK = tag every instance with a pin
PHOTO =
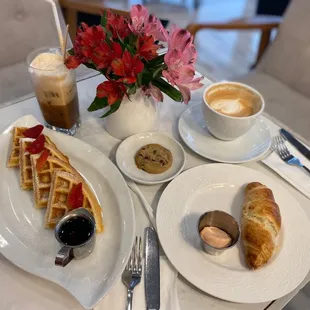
x=168, y=89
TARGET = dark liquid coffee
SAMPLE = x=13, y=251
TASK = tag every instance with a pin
x=62, y=116
x=76, y=231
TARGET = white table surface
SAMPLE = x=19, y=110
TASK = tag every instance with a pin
x=20, y=290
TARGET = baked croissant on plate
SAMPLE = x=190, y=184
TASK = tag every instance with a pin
x=261, y=224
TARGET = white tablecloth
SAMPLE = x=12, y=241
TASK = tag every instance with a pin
x=20, y=290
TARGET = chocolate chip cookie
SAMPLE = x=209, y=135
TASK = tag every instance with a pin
x=154, y=158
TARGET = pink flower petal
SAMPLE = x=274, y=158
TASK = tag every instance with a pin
x=195, y=83
x=155, y=28
x=172, y=59
x=169, y=77
x=155, y=93
x=186, y=74
x=179, y=38
x=193, y=86
x=139, y=15
x=189, y=54
x=186, y=94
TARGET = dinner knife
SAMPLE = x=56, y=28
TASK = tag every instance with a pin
x=299, y=146
x=151, y=270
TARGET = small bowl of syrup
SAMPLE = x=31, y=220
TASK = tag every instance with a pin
x=76, y=233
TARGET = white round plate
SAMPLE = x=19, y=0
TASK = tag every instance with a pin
x=195, y=134
x=26, y=243
x=221, y=187
x=125, y=157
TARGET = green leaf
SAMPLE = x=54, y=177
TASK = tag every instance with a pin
x=90, y=66
x=93, y=66
x=109, y=35
x=97, y=104
x=132, y=39
x=103, y=20
x=139, y=78
x=123, y=45
x=132, y=90
x=130, y=49
x=147, y=77
x=157, y=71
x=168, y=89
x=120, y=39
x=113, y=108
x=71, y=51
x=156, y=61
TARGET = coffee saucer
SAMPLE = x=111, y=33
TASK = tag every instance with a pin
x=194, y=132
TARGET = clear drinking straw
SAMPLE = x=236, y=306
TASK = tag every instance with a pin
x=57, y=22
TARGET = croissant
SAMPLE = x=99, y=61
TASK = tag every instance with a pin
x=261, y=223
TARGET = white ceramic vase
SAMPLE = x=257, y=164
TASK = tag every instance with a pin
x=137, y=114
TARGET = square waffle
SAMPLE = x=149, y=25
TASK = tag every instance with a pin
x=57, y=207
x=17, y=133
x=42, y=179
x=26, y=181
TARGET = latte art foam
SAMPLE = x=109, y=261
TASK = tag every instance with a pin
x=232, y=107
x=233, y=100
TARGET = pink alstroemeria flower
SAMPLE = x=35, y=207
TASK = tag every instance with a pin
x=182, y=40
x=180, y=60
x=155, y=28
x=154, y=92
x=139, y=16
x=144, y=23
x=179, y=38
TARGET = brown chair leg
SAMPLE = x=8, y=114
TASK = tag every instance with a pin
x=264, y=41
x=71, y=19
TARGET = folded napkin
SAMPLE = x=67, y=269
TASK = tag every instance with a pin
x=297, y=176
x=116, y=299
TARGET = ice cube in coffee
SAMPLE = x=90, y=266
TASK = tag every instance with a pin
x=55, y=89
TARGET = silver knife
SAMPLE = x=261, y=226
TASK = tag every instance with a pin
x=151, y=270
x=299, y=146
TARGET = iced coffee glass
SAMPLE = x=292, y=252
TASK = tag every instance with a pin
x=55, y=89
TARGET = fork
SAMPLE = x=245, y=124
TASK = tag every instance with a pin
x=285, y=154
x=131, y=276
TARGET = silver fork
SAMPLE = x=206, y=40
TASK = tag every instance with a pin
x=285, y=154
x=131, y=276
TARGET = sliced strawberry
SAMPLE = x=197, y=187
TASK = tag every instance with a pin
x=42, y=160
x=36, y=146
x=33, y=132
x=76, y=197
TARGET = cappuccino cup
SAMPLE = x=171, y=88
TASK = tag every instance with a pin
x=230, y=109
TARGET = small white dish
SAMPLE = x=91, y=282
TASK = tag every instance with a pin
x=194, y=132
x=125, y=157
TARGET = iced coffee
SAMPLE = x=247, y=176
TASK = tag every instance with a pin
x=55, y=89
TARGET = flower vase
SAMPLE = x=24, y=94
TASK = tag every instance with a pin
x=136, y=114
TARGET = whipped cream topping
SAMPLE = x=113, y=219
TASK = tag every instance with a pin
x=47, y=61
x=53, y=82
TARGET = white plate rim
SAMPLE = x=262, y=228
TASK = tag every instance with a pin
x=140, y=181
x=255, y=158
x=160, y=215
x=90, y=304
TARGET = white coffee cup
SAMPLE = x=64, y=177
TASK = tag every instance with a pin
x=226, y=127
